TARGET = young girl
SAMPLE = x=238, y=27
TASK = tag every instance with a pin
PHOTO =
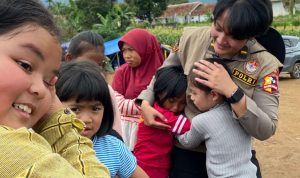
x=88, y=45
x=143, y=56
x=228, y=145
x=38, y=137
x=153, y=147
x=92, y=103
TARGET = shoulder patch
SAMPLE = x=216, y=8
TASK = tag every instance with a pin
x=243, y=77
x=251, y=66
x=270, y=83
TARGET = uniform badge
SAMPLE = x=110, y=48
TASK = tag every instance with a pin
x=251, y=67
x=270, y=83
x=243, y=77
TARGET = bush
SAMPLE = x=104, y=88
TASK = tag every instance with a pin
x=167, y=35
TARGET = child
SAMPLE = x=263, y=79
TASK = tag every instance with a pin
x=90, y=45
x=92, y=103
x=143, y=56
x=228, y=145
x=38, y=137
x=153, y=146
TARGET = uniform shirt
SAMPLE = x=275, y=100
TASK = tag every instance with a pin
x=256, y=73
x=154, y=145
x=56, y=149
x=228, y=145
x=114, y=154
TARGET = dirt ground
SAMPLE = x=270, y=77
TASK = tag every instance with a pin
x=279, y=156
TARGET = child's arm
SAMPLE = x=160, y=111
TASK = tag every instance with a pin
x=139, y=173
x=27, y=154
x=61, y=128
x=179, y=124
x=127, y=106
x=128, y=163
x=194, y=137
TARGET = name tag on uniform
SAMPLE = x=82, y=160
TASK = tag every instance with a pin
x=243, y=77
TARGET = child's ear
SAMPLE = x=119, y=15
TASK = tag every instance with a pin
x=215, y=95
x=68, y=57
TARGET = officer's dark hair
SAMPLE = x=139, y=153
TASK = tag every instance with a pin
x=15, y=14
x=192, y=75
x=83, y=42
x=83, y=81
x=246, y=18
x=170, y=83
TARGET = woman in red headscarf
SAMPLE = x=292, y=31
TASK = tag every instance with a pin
x=143, y=55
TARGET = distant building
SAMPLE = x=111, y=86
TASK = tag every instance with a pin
x=278, y=8
x=186, y=12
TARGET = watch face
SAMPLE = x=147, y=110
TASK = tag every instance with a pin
x=236, y=96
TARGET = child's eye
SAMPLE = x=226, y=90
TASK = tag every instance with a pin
x=171, y=100
x=51, y=82
x=98, y=108
x=75, y=109
x=47, y=84
x=27, y=67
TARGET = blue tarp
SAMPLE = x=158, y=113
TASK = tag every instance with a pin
x=111, y=46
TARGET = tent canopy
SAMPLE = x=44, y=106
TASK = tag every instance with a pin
x=111, y=46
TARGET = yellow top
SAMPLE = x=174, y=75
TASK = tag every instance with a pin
x=56, y=149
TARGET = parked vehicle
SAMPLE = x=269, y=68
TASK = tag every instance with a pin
x=292, y=56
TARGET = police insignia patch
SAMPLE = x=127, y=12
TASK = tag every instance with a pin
x=244, y=77
x=270, y=83
x=251, y=66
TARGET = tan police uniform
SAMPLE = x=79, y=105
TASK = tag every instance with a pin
x=254, y=70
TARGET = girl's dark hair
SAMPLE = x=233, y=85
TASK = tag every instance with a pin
x=246, y=18
x=192, y=75
x=83, y=42
x=83, y=81
x=170, y=82
x=15, y=14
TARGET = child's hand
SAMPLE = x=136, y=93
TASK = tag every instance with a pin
x=149, y=115
x=56, y=104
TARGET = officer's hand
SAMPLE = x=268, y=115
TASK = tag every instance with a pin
x=149, y=114
x=215, y=76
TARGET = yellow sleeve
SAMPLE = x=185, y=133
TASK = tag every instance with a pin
x=61, y=130
x=26, y=154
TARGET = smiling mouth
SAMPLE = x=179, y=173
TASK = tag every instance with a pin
x=23, y=108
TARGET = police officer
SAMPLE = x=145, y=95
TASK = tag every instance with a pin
x=252, y=88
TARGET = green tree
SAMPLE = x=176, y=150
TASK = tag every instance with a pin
x=108, y=27
x=123, y=14
x=177, y=1
x=148, y=9
x=68, y=17
x=90, y=9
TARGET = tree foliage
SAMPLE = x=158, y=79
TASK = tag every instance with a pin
x=177, y=1
x=90, y=9
x=148, y=9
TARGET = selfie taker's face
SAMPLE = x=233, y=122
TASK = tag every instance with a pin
x=29, y=59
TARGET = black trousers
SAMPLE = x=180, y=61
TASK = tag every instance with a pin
x=191, y=164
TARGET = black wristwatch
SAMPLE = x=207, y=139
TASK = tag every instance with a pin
x=236, y=96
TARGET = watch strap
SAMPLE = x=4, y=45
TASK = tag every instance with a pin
x=236, y=96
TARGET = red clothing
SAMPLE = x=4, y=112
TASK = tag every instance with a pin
x=153, y=146
x=129, y=81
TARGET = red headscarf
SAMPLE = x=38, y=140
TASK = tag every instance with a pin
x=130, y=81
